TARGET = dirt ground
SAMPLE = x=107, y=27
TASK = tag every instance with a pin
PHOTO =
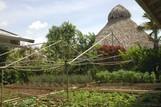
x=13, y=91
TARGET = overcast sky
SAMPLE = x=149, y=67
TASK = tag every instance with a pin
x=33, y=18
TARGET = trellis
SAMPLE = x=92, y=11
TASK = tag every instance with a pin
x=6, y=66
x=66, y=64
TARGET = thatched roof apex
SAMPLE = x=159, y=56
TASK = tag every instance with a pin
x=124, y=31
x=119, y=12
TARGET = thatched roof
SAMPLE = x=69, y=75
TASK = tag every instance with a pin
x=124, y=31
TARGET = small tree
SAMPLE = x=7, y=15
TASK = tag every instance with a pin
x=66, y=33
x=73, y=42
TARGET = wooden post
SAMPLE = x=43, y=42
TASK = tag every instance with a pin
x=1, y=87
x=67, y=76
x=112, y=39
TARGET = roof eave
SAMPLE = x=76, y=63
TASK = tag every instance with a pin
x=17, y=38
x=9, y=36
x=148, y=11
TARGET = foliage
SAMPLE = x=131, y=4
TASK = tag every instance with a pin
x=66, y=33
x=91, y=99
x=110, y=54
x=95, y=99
x=3, y=58
x=151, y=98
x=84, y=99
x=154, y=29
x=110, y=50
x=73, y=41
x=84, y=41
x=16, y=72
x=59, y=79
x=122, y=76
x=29, y=102
x=152, y=26
x=144, y=59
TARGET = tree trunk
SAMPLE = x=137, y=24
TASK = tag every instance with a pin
x=157, y=74
x=156, y=41
x=156, y=45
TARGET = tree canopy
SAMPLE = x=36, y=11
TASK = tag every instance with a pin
x=72, y=41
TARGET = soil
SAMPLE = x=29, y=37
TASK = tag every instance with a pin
x=13, y=91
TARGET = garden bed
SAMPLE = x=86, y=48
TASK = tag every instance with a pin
x=82, y=98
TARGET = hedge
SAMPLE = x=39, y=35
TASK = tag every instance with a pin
x=122, y=76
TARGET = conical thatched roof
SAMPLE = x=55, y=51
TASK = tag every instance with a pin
x=124, y=31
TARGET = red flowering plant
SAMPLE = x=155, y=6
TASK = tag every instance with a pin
x=110, y=54
x=110, y=50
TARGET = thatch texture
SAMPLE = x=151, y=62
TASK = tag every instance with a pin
x=124, y=31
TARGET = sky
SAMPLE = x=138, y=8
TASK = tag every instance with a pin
x=32, y=18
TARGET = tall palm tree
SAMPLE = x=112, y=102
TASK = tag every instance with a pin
x=151, y=26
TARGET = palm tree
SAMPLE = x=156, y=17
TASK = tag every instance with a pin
x=154, y=29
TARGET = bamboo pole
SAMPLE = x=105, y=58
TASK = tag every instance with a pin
x=89, y=48
x=3, y=67
x=67, y=76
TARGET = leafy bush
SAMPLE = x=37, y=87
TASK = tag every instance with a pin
x=109, y=53
x=124, y=76
x=144, y=59
x=110, y=50
x=148, y=100
x=15, y=76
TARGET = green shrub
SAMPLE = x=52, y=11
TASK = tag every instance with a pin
x=124, y=76
x=144, y=60
x=11, y=76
